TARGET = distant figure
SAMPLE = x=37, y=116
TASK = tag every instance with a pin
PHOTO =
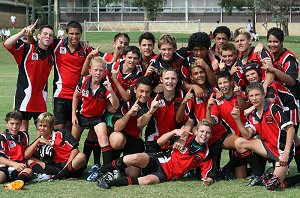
x=1, y=34
x=61, y=32
x=6, y=33
x=13, y=19
x=211, y=35
x=249, y=26
x=254, y=36
x=217, y=24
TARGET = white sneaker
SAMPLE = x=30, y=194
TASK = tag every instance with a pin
x=42, y=177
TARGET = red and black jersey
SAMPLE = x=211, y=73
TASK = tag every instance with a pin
x=196, y=110
x=67, y=70
x=285, y=99
x=271, y=127
x=126, y=80
x=253, y=57
x=141, y=62
x=34, y=65
x=159, y=64
x=221, y=112
x=180, y=161
x=91, y=105
x=164, y=118
x=131, y=128
x=287, y=62
x=63, y=144
x=13, y=147
x=107, y=56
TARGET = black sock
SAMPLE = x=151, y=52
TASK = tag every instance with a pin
x=117, y=164
x=65, y=172
x=87, y=149
x=262, y=161
x=23, y=176
x=116, y=154
x=107, y=156
x=252, y=161
x=297, y=157
x=96, y=152
x=235, y=161
x=293, y=180
x=36, y=168
x=124, y=181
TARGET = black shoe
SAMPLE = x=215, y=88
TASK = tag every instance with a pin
x=255, y=181
x=224, y=174
x=104, y=180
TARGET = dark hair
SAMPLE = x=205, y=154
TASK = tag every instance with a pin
x=224, y=74
x=120, y=35
x=229, y=47
x=277, y=32
x=14, y=115
x=132, y=49
x=199, y=39
x=147, y=36
x=74, y=24
x=255, y=85
x=252, y=66
x=222, y=29
x=166, y=69
x=45, y=26
x=144, y=81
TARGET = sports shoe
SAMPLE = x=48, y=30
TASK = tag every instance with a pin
x=15, y=185
x=94, y=168
x=224, y=174
x=255, y=181
x=94, y=176
x=272, y=183
x=104, y=180
x=42, y=177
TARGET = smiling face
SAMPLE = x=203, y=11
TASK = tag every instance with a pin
x=228, y=57
x=146, y=47
x=203, y=134
x=13, y=126
x=243, y=43
x=167, y=51
x=131, y=60
x=73, y=35
x=44, y=129
x=143, y=92
x=274, y=44
x=122, y=42
x=200, y=52
x=252, y=76
x=256, y=97
x=225, y=86
x=169, y=80
x=198, y=76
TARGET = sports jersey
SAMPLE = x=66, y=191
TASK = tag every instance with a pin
x=13, y=147
x=67, y=68
x=91, y=105
x=196, y=110
x=34, y=66
x=271, y=127
x=163, y=119
x=221, y=112
x=107, y=56
x=285, y=99
x=63, y=144
x=131, y=128
x=288, y=63
x=179, y=162
x=126, y=80
x=239, y=75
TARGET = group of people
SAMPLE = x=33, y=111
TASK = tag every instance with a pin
x=190, y=102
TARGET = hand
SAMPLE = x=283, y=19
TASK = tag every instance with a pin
x=19, y=166
x=95, y=52
x=44, y=141
x=189, y=95
x=114, y=74
x=234, y=69
x=29, y=30
x=207, y=181
x=258, y=48
x=249, y=110
x=119, y=48
x=268, y=66
x=219, y=96
x=135, y=108
x=179, y=144
x=158, y=88
x=215, y=65
x=237, y=90
x=283, y=161
x=154, y=105
x=179, y=132
x=86, y=44
x=235, y=113
x=201, y=63
x=211, y=100
x=199, y=92
x=107, y=84
x=75, y=121
x=222, y=65
x=150, y=69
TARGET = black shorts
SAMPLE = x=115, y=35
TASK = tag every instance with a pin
x=11, y=175
x=152, y=147
x=62, y=110
x=154, y=168
x=53, y=168
x=29, y=115
x=271, y=156
x=133, y=145
x=88, y=123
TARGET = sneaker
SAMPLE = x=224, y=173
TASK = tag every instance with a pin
x=94, y=176
x=255, y=181
x=42, y=177
x=273, y=183
x=16, y=185
x=117, y=174
x=104, y=180
x=94, y=168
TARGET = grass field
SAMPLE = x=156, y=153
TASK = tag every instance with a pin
x=81, y=188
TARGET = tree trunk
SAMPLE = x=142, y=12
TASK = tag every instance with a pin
x=285, y=27
x=33, y=15
x=27, y=14
x=146, y=19
x=49, y=12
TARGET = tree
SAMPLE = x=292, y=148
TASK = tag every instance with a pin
x=152, y=8
x=49, y=12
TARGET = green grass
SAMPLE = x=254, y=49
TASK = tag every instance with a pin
x=81, y=188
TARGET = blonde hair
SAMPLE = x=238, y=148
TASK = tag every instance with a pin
x=167, y=39
x=46, y=118
x=242, y=31
x=98, y=60
x=205, y=122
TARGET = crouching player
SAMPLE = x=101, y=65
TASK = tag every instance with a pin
x=162, y=167
x=12, y=147
x=55, y=152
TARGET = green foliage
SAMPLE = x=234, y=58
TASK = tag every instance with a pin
x=152, y=8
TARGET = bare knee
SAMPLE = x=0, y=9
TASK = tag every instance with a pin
x=240, y=144
x=117, y=140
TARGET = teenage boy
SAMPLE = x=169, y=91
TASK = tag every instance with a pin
x=35, y=62
x=55, y=152
x=161, y=167
x=276, y=131
x=222, y=36
x=89, y=103
x=228, y=58
x=163, y=105
x=146, y=42
x=13, y=144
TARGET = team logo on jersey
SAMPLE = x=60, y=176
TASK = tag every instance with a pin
x=183, y=150
x=199, y=101
x=197, y=158
x=269, y=119
x=81, y=54
x=35, y=56
x=161, y=103
x=254, y=120
x=62, y=50
x=12, y=144
x=85, y=93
